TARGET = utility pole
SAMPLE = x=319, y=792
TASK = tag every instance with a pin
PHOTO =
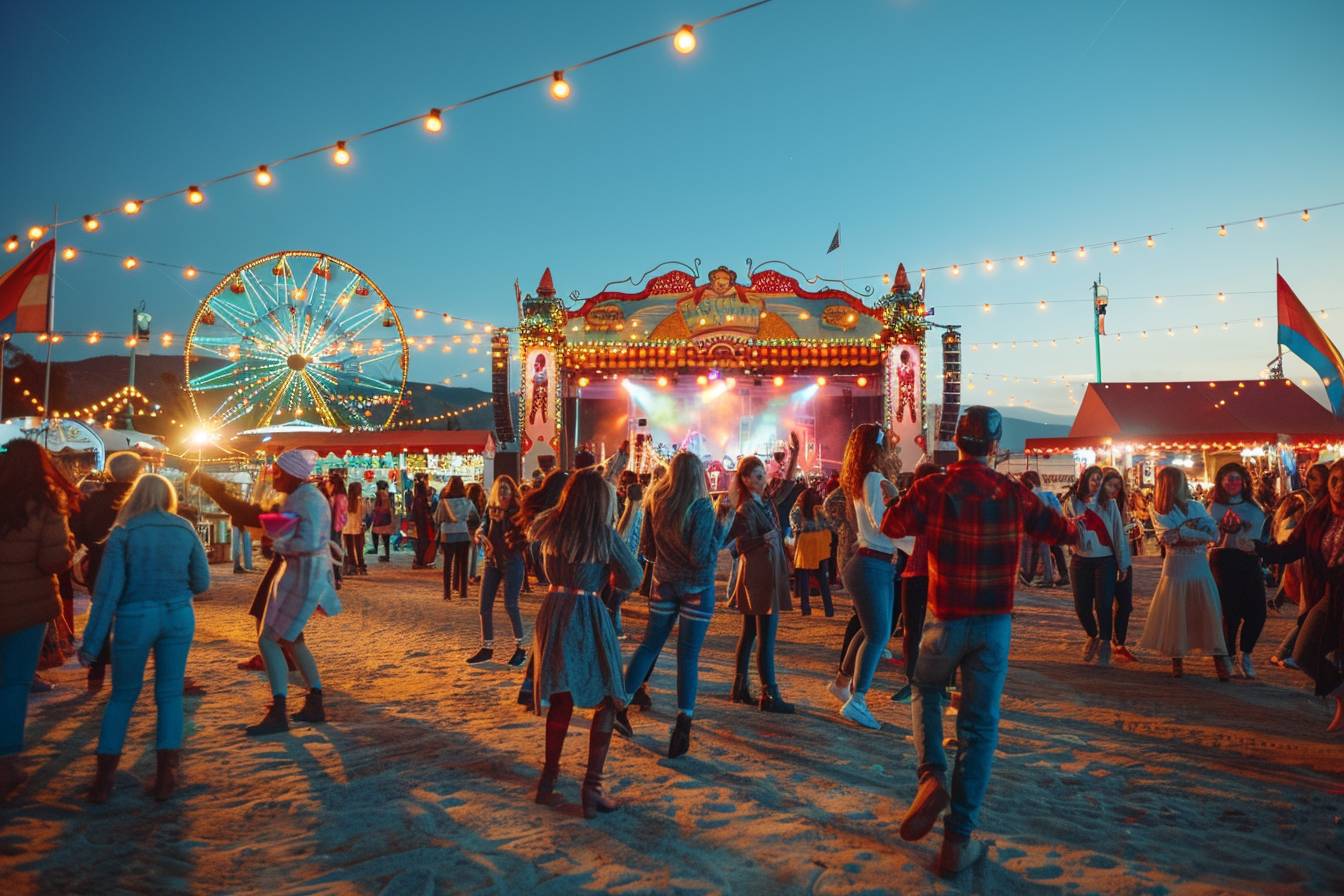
x=140, y=320
x=1100, y=298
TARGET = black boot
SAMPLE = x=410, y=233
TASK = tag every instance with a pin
x=641, y=698
x=165, y=779
x=741, y=690
x=594, y=798
x=772, y=702
x=273, y=722
x=621, y=724
x=681, y=737
x=312, y=710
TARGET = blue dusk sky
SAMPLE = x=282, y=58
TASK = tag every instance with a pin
x=932, y=132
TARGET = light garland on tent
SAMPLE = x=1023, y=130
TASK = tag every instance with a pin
x=446, y=415
x=683, y=40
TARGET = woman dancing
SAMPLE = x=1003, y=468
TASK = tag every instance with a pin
x=577, y=661
x=153, y=564
x=504, y=545
x=812, y=551
x=456, y=519
x=1184, y=617
x=1113, y=484
x=686, y=533
x=762, y=586
x=1100, y=560
x=1236, y=568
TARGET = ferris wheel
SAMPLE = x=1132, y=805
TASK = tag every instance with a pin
x=303, y=336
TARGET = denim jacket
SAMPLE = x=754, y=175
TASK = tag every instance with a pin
x=156, y=556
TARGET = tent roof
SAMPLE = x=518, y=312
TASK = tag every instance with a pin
x=411, y=441
x=1195, y=414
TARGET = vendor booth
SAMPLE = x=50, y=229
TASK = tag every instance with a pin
x=1270, y=425
x=719, y=367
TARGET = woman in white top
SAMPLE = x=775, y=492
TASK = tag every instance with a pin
x=1100, y=560
x=869, y=576
x=1184, y=617
x=352, y=533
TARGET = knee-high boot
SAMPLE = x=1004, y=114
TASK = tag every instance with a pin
x=595, y=799
x=557, y=727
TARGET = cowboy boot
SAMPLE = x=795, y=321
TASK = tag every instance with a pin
x=101, y=791
x=594, y=799
x=165, y=780
x=273, y=722
x=681, y=737
x=312, y=710
x=742, y=690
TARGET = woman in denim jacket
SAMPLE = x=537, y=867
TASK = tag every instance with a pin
x=153, y=564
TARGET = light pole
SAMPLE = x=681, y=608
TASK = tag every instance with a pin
x=1100, y=299
x=140, y=321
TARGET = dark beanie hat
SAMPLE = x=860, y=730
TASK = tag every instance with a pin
x=978, y=428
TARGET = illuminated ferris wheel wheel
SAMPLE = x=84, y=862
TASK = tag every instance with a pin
x=302, y=336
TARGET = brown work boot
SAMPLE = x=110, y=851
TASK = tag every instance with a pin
x=101, y=791
x=165, y=778
x=930, y=800
x=957, y=855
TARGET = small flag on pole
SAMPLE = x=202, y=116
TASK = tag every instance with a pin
x=25, y=290
x=835, y=240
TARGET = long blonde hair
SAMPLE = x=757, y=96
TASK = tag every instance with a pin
x=578, y=529
x=671, y=497
x=151, y=492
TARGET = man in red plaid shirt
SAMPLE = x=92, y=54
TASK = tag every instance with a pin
x=973, y=519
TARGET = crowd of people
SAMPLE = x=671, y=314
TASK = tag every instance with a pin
x=932, y=556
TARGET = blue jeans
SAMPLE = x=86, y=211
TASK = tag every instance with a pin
x=978, y=645
x=1094, y=581
x=872, y=584
x=18, y=664
x=512, y=577
x=695, y=610
x=242, y=547
x=803, y=587
x=139, y=628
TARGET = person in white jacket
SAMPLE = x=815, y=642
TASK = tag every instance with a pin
x=1100, y=560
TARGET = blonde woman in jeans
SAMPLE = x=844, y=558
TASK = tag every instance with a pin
x=153, y=564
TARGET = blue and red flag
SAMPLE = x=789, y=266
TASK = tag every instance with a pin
x=25, y=290
x=1301, y=335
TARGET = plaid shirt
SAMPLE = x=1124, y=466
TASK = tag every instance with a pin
x=973, y=519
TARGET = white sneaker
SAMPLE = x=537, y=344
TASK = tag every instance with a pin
x=1246, y=670
x=838, y=691
x=856, y=710
x=886, y=653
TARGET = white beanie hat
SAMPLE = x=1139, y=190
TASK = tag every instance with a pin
x=298, y=462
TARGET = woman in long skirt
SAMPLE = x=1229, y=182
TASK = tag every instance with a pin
x=1184, y=617
x=577, y=660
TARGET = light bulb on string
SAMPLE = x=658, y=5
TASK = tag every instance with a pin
x=132, y=206
x=1021, y=261
x=1041, y=306
x=1082, y=251
x=559, y=86
x=956, y=269
x=886, y=278
x=263, y=176
x=1222, y=230
x=1150, y=241
x=1054, y=259
x=684, y=40
x=36, y=233
x=989, y=265
x=341, y=155
x=1222, y=296
x=1157, y=299
x=195, y=196
x=91, y=223
x=434, y=121
x=69, y=253
x=1306, y=214
x=130, y=262
x=986, y=307
x=189, y=272
x=12, y=244
x=1260, y=223
x=1115, y=247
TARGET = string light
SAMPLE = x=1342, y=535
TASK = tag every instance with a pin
x=559, y=86
x=130, y=262
x=69, y=253
x=1054, y=259
x=1082, y=251
x=341, y=155
x=956, y=269
x=263, y=176
x=91, y=223
x=1222, y=296
x=1306, y=215
x=36, y=233
x=1157, y=299
x=1149, y=242
x=1260, y=222
x=1115, y=247
x=1021, y=261
x=132, y=206
x=195, y=196
x=1042, y=305
x=886, y=278
x=434, y=121
x=1222, y=230
x=189, y=272
x=11, y=244
x=989, y=265
x=986, y=307
x=684, y=40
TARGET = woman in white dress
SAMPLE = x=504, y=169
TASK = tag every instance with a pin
x=1185, y=616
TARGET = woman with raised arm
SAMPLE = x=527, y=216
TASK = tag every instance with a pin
x=577, y=660
x=1184, y=617
x=1100, y=561
x=504, y=545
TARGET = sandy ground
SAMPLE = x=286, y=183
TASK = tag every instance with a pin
x=1117, y=780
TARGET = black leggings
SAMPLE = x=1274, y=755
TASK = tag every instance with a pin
x=387, y=544
x=914, y=605
x=455, y=567
x=354, y=551
x=1124, y=605
x=1241, y=591
x=767, y=626
x=1093, y=593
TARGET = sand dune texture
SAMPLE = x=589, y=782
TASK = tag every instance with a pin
x=1117, y=780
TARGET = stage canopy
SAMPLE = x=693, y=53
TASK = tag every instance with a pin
x=409, y=441
x=1210, y=415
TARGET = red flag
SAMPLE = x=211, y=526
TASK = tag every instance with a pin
x=25, y=290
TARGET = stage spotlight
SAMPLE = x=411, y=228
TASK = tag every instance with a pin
x=779, y=381
x=702, y=380
x=821, y=381
x=861, y=381
x=662, y=382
